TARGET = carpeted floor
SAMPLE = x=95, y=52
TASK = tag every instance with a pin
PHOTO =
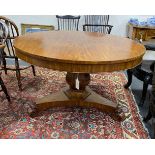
x=67, y=122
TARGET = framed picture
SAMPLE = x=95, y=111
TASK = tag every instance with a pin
x=30, y=28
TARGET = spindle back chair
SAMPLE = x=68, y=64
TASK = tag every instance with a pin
x=68, y=22
x=9, y=51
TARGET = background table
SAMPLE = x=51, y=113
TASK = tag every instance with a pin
x=79, y=54
x=136, y=31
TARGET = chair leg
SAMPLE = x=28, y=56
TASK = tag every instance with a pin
x=129, y=74
x=4, y=89
x=144, y=92
x=154, y=129
x=33, y=70
x=18, y=74
x=4, y=65
x=148, y=116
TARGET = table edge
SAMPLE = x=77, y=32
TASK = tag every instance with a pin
x=79, y=67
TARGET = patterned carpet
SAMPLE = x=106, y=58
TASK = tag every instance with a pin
x=64, y=122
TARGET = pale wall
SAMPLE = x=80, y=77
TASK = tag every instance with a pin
x=118, y=21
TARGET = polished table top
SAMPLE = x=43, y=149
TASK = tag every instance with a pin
x=76, y=51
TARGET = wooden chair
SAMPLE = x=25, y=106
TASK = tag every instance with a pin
x=68, y=22
x=97, y=19
x=9, y=51
x=97, y=23
x=106, y=29
x=151, y=112
x=143, y=75
x=3, y=37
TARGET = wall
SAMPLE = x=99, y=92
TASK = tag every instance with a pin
x=118, y=21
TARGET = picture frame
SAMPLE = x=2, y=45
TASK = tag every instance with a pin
x=30, y=28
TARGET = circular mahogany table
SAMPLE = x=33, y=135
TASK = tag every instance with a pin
x=79, y=54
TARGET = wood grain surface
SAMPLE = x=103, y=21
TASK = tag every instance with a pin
x=75, y=51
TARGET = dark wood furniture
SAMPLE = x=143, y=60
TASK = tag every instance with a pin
x=31, y=27
x=9, y=51
x=79, y=54
x=141, y=32
x=98, y=28
x=96, y=19
x=68, y=22
x=151, y=112
x=142, y=74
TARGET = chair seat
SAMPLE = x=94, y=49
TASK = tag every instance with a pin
x=150, y=47
x=149, y=55
x=22, y=63
x=148, y=59
x=142, y=75
x=146, y=66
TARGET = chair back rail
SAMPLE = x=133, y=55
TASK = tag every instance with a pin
x=97, y=19
x=4, y=32
x=106, y=29
x=68, y=22
x=13, y=33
